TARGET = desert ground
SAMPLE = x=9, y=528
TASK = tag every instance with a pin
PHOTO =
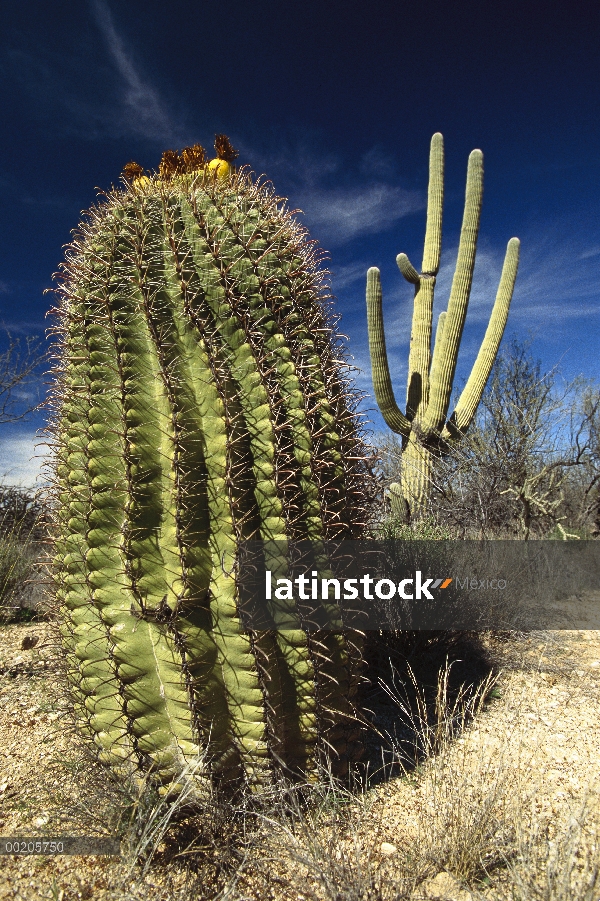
x=502, y=801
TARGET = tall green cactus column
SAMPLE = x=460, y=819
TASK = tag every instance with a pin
x=425, y=427
x=200, y=402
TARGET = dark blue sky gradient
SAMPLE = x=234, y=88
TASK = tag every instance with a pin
x=336, y=102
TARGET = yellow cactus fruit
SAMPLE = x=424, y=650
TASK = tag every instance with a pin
x=221, y=168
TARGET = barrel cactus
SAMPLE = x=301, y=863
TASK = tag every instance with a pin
x=201, y=400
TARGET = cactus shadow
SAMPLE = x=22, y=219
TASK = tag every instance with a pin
x=422, y=689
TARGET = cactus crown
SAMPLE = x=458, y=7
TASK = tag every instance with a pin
x=191, y=159
x=201, y=399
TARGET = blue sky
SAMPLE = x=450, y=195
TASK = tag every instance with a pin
x=335, y=102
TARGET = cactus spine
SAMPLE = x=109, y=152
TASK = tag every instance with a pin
x=425, y=427
x=200, y=401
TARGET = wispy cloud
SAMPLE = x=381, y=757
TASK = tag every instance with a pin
x=337, y=207
x=147, y=113
x=92, y=94
x=346, y=275
x=21, y=460
x=341, y=214
x=591, y=252
x=377, y=163
x=556, y=282
x=21, y=327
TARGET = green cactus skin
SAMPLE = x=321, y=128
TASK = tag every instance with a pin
x=200, y=400
x=425, y=426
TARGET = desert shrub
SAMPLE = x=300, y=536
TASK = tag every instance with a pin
x=21, y=512
x=22, y=531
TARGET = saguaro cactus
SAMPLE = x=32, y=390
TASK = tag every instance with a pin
x=200, y=401
x=425, y=427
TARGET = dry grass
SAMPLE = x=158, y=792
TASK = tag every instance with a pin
x=466, y=812
x=564, y=867
x=325, y=842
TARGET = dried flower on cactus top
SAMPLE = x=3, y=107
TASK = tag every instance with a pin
x=131, y=171
x=193, y=157
x=170, y=164
x=224, y=150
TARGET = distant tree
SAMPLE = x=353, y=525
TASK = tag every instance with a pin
x=514, y=468
x=22, y=523
x=18, y=363
x=582, y=500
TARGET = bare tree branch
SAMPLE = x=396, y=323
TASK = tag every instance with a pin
x=18, y=363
